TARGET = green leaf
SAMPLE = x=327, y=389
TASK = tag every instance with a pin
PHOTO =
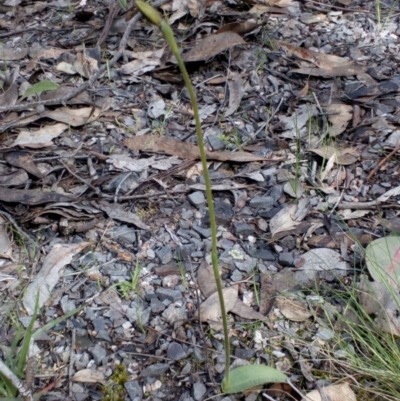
x=383, y=260
x=249, y=376
x=40, y=87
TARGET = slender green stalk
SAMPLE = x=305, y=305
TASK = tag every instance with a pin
x=166, y=30
x=169, y=37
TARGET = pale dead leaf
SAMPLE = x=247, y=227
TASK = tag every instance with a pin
x=283, y=220
x=126, y=163
x=205, y=282
x=236, y=87
x=73, y=117
x=210, y=310
x=49, y=274
x=292, y=309
x=88, y=376
x=334, y=392
x=143, y=62
x=40, y=138
x=120, y=215
x=5, y=243
x=339, y=115
x=212, y=45
x=344, y=157
x=247, y=312
x=7, y=54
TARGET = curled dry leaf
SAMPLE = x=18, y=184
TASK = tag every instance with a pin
x=210, y=310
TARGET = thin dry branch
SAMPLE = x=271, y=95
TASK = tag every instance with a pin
x=17, y=383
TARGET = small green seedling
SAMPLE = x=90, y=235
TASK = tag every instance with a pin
x=40, y=87
x=245, y=377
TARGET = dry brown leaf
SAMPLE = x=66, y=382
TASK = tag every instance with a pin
x=184, y=150
x=211, y=312
x=60, y=93
x=212, y=45
x=23, y=160
x=241, y=28
x=32, y=197
x=283, y=221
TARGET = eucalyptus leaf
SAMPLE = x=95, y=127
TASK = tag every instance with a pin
x=42, y=86
x=246, y=377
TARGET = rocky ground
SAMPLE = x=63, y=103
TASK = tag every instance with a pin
x=103, y=209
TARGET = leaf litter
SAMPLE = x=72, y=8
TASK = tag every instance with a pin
x=299, y=111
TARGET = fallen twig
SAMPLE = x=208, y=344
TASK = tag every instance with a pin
x=382, y=162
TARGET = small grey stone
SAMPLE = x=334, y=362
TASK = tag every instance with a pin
x=223, y=214
x=81, y=361
x=199, y=391
x=155, y=370
x=264, y=254
x=236, y=276
x=247, y=265
x=185, y=224
x=167, y=293
x=124, y=234
x=156, y=305
x=286, y=259
x=204, y=232
x=244, y=353
x=66, y=304
x=197, y=199
x=103, y=335
x=268, y=214
x=243, y=229
x=199, y=354
x=186, y=369
x=98, y=352
x=377, y=190
x=134, y=390
x=175, y=351
x=262, y=202
x=99, y=324
x=175, y=315
x=275, y=192
x=251, y=397
x=164, y=254
x=215, y=142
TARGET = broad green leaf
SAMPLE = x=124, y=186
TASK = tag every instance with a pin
x=383, y=260
x=40, y=87
x=249, y=376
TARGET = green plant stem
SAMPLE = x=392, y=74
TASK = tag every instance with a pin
x=169, y=36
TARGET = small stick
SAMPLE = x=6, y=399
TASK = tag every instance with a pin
x=382, y=162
